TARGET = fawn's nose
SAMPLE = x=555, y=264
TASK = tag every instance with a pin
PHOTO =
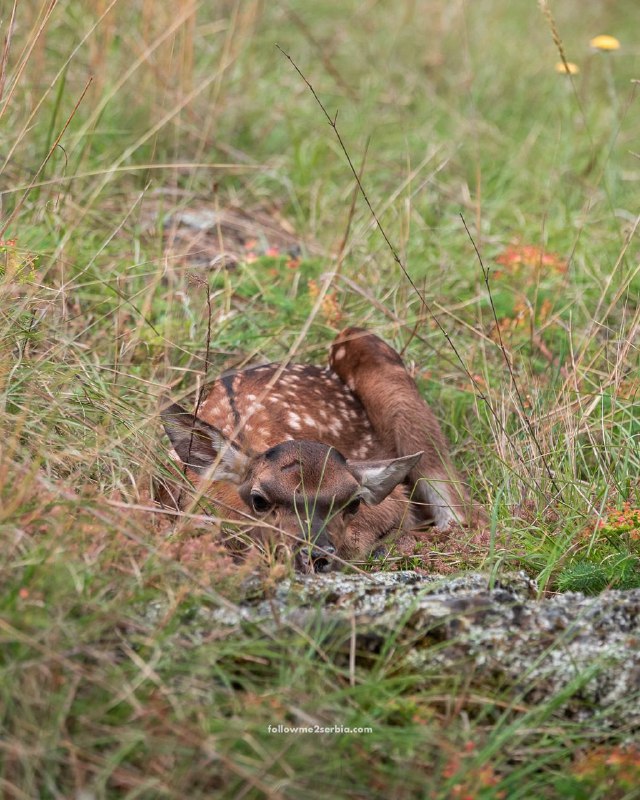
x=318, y=558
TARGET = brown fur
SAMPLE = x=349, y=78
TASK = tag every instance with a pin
x=403, y=422
x=309, y=441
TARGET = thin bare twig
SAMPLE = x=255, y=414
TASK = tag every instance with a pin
x=392, y=249
x=479, y=393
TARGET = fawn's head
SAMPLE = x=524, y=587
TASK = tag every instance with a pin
x=303, y=491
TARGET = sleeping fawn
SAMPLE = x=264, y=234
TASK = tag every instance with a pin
x=335, y=460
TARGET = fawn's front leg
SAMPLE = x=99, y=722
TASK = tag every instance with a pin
x=404, y=423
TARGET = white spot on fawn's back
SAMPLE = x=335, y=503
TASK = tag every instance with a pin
x=293, y=420
x=339, y=353
x=336, y=427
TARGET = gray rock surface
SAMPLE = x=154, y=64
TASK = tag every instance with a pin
x=582, y=651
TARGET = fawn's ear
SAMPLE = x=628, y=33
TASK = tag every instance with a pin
x=378, y=478
x=199, y=445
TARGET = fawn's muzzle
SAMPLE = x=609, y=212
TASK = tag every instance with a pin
x=318, y=557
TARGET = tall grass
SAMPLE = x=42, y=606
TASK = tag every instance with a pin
x=116, y=118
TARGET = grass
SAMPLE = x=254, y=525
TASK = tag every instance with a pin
x=115, y=118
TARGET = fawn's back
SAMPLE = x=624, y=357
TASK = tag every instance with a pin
x=263, y=406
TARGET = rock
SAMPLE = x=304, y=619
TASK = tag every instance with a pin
x=208, y=237
x=582, y=651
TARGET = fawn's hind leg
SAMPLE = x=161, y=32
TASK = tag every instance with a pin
x=404, y=423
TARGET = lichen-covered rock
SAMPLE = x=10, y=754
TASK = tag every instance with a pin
x=585, y=651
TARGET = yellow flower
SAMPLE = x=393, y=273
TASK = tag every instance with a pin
x=605, y=42
x=567, y=67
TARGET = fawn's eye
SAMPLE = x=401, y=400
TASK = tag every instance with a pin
x=353, y=506
x=259, y=503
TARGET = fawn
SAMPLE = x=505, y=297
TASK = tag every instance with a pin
x=333, y=459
